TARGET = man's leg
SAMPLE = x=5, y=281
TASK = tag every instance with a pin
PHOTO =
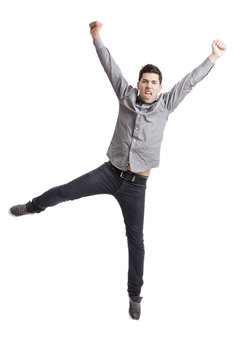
x=93, y=183
x=131, y=198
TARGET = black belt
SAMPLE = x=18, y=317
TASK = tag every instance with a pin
x=129, y=176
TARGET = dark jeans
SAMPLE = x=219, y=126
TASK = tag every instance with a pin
x=131, y=198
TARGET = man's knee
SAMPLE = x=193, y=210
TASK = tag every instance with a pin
x=64, y=192
x=135, y=240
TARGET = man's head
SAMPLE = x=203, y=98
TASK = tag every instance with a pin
x=149, y=83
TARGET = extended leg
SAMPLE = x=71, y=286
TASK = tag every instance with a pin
x=98, y=181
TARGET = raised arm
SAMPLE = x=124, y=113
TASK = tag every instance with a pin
x=119, y=83
x=183, y=87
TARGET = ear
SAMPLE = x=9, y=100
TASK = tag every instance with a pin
x=138, y=84
x=160, y=88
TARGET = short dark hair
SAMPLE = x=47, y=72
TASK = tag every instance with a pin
x=149, y=68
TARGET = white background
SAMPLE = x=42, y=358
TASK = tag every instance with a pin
x=63, y=273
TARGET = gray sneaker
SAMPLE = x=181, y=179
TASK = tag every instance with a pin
x=135, y=307
x=19, y=210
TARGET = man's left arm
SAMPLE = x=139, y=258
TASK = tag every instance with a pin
x=183, y=87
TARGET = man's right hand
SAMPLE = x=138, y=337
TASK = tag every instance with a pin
x=95, y=28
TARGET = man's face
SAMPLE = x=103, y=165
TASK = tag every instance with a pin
x=149, y=87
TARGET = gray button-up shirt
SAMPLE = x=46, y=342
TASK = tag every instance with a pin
x=139, y=129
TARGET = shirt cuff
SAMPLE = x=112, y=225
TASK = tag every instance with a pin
x=209, y=62
x=98, y=43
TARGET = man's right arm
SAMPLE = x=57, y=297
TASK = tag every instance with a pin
x=119, y=83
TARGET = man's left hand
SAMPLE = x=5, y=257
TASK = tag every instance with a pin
x=218, y=49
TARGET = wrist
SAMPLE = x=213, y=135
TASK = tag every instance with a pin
x=96, y=37
x=213, y=58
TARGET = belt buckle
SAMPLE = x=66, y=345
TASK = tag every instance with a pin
x=121, y=176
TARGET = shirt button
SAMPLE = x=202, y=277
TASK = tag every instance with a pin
x=134, y=139
x=136, y=128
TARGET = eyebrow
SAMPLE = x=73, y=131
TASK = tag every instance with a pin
x=155, y=80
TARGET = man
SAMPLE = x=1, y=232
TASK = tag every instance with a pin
x=133, y=151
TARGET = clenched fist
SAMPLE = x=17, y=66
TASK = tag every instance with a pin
x=95, y=28
x=218, y=49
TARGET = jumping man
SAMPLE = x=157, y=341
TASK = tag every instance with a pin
x=134, y=150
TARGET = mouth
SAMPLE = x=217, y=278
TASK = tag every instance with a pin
x=148, y=94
